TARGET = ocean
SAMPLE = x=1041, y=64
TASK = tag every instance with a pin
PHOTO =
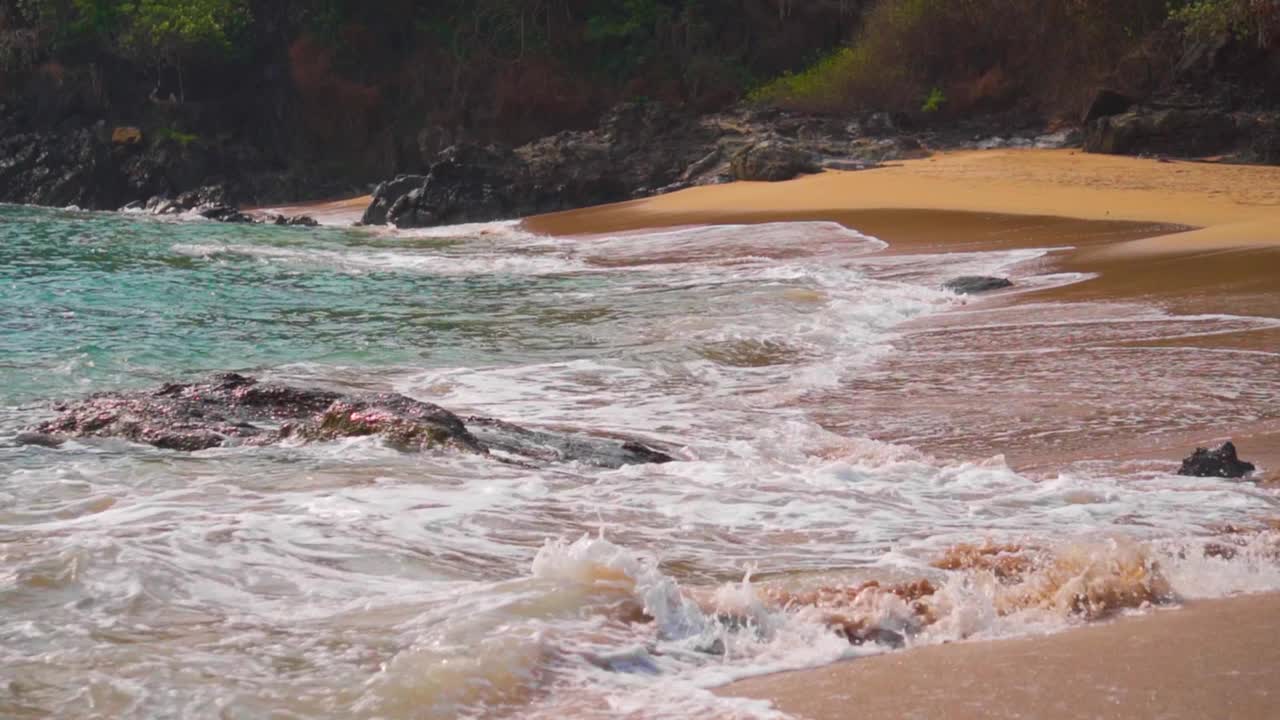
x=843, y=429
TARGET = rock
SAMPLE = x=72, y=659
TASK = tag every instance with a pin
x=207, y=195
x=551, y=447
x=638, y=149
x=293, y=221
x=386, y=194
x=59, y=169
x=38, y=439
x=1220, y=462
x=772, y=160
x=223, y=213
x=974, y=284
x=1105, y=104
x=847, y=165
x=232, y=409
x=126, y=136
x=1178, y=132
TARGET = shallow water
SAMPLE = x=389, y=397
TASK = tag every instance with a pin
x=840, y=420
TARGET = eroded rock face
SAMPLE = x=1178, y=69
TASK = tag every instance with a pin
x=1172, y=131
x=638, y=150
x=1219, y=462
x=231, y=409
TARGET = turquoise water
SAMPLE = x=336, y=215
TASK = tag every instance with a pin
x=99, y=301
x=796, y=372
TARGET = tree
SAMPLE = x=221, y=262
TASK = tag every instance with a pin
x=167, y=33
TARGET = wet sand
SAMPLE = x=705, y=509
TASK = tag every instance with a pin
x=1213, y=659
x=339, y=213
x=1188, y=238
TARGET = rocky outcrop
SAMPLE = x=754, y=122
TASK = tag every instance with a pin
x=638, y=150
x=60, y=169
x=231, y=409
x=212, y=202
x=1220, y=462
x=1105, y=104
x=974, y=284
x=1167, y=131
x=772, y=160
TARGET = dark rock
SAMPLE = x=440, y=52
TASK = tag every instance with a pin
x=1178, y=132
x=208, y=195
x=552, y=447
x=38, y=438
x=772, y=161
x=1105, y=104
x=388, y=193
x=974, y=284
x=232, y=409
x=1220, y=462
x=638, y=149
x=223, y=213
x=293, y=221
x=59, y=169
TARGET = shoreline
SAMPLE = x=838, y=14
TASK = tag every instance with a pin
x=1187, y=238
x=1139, y=228
x=1207, y=659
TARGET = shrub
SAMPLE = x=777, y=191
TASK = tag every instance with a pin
x=1246, y=19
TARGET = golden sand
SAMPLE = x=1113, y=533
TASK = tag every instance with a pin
x=1238, y=206
x=1214, y=659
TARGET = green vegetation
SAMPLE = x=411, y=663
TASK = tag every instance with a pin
x=176, y=136
x=934, y=102
x=962, y=56
x=345, y=71
x=1246, y=19
x=974, y=55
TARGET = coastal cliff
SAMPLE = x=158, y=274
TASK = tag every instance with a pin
x=478, y=111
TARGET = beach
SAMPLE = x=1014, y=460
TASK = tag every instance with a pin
x=1215, y=659
x=728, y=448
x=1190, y=238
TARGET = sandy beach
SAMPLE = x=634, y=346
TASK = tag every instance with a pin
x=1185, y=237
x=1215, y=659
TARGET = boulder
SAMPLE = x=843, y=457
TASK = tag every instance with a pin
x=386, y=194
x=974, y=284
x=772, y=160
x=1171, y=131
x=231, y=409
x=1219, y=462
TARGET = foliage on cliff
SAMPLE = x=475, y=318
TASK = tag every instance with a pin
x=1045, y=57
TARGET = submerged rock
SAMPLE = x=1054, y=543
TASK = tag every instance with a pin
x=1219, y=462
x=230, y=409
x=974, y=284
